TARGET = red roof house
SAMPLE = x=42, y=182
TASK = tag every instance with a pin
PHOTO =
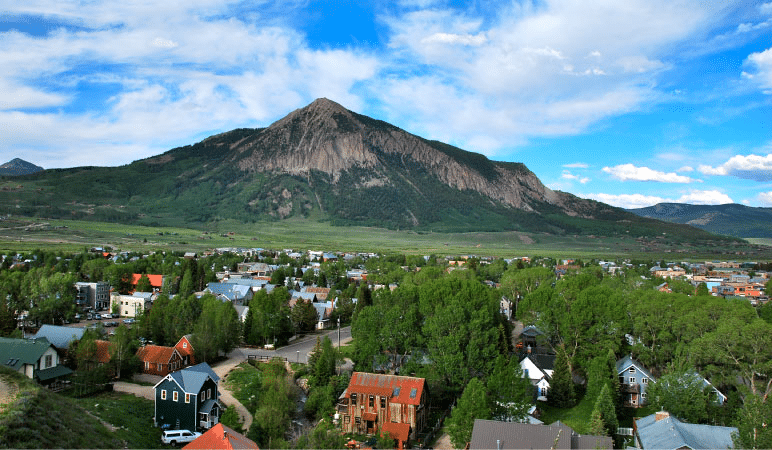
x=156, y=281
x=159, y=360
x=372, y=401
x=221, y=437
x=185, y=348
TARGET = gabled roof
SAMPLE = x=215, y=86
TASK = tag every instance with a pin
x=191, y=379
x=185, y=351
x=60, y=337
x=156, y=354
x=542, y=361
x=488, y=434
x=625, y=363
x=220, y=437
x=399, y=431
x=14, y=353
x=671, y=433
x=102, y=351
x=405, y=390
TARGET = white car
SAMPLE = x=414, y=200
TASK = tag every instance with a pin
x=174, y=437
x=107, y=316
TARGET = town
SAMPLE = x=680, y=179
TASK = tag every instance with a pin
x=322, y=349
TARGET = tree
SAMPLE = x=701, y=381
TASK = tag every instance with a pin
x=510, y=392
x=122, y=349
x=230, y=418
x=304, y=316
x=561, y=391
x=605, y=409
x=143, y=285
x=683, y=394
x=753, y=430
x=472, y=405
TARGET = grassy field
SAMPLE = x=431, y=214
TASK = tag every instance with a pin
x=25, y=234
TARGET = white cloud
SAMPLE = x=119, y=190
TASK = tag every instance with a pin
x=765, y=198
x=751, y=167
x=629, y=172
x=569, y=176
x=577, y=165
x=762, y=63
x=630, y=201
x=686, y=169
x=460, y=39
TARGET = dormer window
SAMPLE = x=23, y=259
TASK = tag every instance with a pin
x=631, y=369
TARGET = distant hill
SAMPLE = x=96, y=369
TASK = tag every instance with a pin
x=16, y=167
x=729, y=219
x=324, y=162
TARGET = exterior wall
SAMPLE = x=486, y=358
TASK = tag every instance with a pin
x=353, y=420
x=165, y=369
x=633, y=383
x=175, y=414
x=130, y=306
x=45, y=362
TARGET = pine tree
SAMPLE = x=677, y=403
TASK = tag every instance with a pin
x=604, y=406
x=472, y=405
x=561, y=391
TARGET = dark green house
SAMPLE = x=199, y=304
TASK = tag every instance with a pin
x=188, y=399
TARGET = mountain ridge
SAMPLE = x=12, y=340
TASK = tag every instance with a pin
x=324, y=162
x=17, y=167
x=729, y=219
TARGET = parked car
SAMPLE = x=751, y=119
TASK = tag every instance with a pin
x=174, y=437
x=111, y=324
x=129, y=321
x=115, y=315
x=107, y=316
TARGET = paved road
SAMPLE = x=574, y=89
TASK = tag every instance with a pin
x=297, y=351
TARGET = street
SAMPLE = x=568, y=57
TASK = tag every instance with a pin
x=297, y=351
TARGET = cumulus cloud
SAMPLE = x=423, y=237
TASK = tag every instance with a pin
x=629, y=172
x=765, y=198
x=578, y=165
x=750, y=167
x=761, y=62
x=569, y=176
x=630, y=201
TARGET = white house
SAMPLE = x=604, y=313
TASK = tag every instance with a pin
x=538, y=368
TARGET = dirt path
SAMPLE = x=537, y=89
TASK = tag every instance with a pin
x=7, y=393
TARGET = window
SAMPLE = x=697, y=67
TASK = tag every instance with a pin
x=163, y=394
x=643, y=396
x=346, y=419
x=187, y=398
x=358, y=420
x=621, y=380
x=160, y=367
x=372, y=401
x=175, y=396
x=383, y=402
x=184, y=345
x=147, y=365
x=631, y=369
x=49, y=361
x=632, y=380
x=209, y=393
x=413, y=392
x=353, y=399
x=645, y=380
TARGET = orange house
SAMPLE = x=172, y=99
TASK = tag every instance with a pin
x=156, y=281
x=185, y=349
x=159, y=360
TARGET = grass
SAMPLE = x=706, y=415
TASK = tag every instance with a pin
x=577, y=417
x=245, y=383
x=26, y=234
x=131, y=416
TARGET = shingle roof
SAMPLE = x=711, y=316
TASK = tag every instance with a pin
x=156, y=354
x=192, y=378
x=60, y=337
x=102, y=351
x=488, y=434
x=221, y=437
x=156, y=281
x=671, y=433
x=400, y=431
x=405, y=390
x=624, y=363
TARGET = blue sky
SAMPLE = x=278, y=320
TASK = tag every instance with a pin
x=631, y=103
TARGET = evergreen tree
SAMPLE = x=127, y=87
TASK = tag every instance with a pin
x=472, y=405
x=561, y=392
x=604, y=407
x=143, y=284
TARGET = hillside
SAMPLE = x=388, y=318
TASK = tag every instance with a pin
x=323, y=162
x=730, y=219
x=33, y=417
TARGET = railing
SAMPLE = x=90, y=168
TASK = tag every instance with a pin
x=631, y=388
x=263, y=358
x=624, y=431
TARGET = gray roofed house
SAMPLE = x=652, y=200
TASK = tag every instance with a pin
x=633, y=381
x=490, y=434
x=662, y=431
x=59, y=337
x=34, y=358
x=188, y=399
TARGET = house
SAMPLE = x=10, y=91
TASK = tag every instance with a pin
x=185, y=348
x=100, y=357
x=220, y=437
x=92, y=295
x=156, y=281
x=633, y=381
x=188, y=399
x=489, y=434
x=373, y=400
x=131, y=305
x=662, y=431
x=538, y=368
x=36, y=359
x=159, y=360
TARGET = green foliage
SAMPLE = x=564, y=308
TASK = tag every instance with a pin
x=753, y=424
x=510, y=393
x=561, y=392
x=682, y=394
x=606, y=411
x=473, y=404
x=230, y=418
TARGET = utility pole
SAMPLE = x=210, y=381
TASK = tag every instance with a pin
x=338, y=333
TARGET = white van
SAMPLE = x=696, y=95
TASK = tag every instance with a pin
x=174, y=437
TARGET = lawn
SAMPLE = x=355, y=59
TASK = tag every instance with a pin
x=130, y=418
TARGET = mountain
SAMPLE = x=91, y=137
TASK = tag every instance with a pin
x=16, y=167
x=324, y=162
x=729, y=219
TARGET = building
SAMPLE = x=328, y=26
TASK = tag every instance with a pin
x=490, y=434
x=188, y=399
x=159, y=360
x=538, y=368
x=662, y=431
x=633, y=381
x=36, y=359
x=92, y=295
x=220, y=437
x=132, y=305
x=373, y=400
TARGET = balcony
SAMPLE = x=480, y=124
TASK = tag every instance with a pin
x=630, y=388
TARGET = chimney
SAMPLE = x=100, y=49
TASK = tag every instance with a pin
x=225, y=435
x=661, y=415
